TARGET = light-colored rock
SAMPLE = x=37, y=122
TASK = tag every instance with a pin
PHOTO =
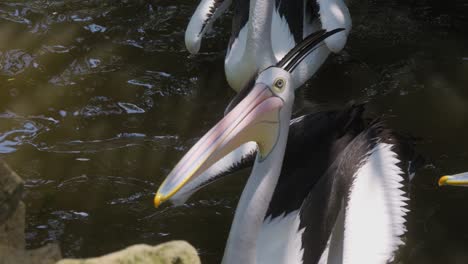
x=175, y=252
x=45, y=255
x=11, y=188
x=12, y=231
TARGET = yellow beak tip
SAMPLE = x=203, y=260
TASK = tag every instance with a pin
x=157, y=200
x=443, y=180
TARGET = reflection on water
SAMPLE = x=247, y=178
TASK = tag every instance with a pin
x=99, y=100
x=16, y=131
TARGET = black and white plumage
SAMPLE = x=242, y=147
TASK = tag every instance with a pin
x=338, y=195
x=263, y=31
x=329, y=156
x=356, y=210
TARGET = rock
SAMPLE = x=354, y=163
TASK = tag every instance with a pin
x=12, y=231
x=12, y=237
x=12, y=225
x=175, y=252
x=45, y=255
x=11, y=188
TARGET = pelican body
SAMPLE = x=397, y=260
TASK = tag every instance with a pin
x=263, y=31
x=336, y=197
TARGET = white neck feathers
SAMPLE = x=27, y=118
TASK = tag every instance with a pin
x=253, y=204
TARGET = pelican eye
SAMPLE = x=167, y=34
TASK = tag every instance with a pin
x=279, y=84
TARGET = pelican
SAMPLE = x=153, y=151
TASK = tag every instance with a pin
x=338, y=198
x=460, y=179
x=264, y=31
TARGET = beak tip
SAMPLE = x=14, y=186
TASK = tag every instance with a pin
x=157, y=200
x=443, y=181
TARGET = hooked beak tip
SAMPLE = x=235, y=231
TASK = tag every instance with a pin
x=157, y=200
x=443, y=180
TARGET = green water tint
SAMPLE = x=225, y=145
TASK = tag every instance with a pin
x=99, y=100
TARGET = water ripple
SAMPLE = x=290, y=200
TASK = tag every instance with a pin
x=113, y=186
x=21, y=130
x=94, y=28
x=167, y=84
x=123, y=140
x=57, y=49
x=15, y=15
x=16, y=61
x=70, y=215
x=101, y=106
x=131, y=108
x=136, y=197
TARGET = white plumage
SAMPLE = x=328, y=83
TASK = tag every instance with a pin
x=375, y=214
x=267, y=36
x=280, y=240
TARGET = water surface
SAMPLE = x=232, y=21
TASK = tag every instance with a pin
x=99, y=100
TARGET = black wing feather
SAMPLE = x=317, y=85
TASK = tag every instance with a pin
x=293, y=12
x=313, y=144
x=320, y=209
x=239, y=19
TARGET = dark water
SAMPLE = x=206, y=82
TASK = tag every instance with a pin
x=99, y=100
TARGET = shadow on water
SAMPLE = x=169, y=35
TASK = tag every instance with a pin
x=99, y=100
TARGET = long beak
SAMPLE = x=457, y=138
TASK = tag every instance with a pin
x=454, y=180
x=255, y=118
x=202, y=20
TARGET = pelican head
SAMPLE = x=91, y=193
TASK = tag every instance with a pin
x=258, y=117
x=460, y=179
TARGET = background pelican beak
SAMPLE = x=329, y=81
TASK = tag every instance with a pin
x=255, y=118
x=454, y=180
x=202, y=20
